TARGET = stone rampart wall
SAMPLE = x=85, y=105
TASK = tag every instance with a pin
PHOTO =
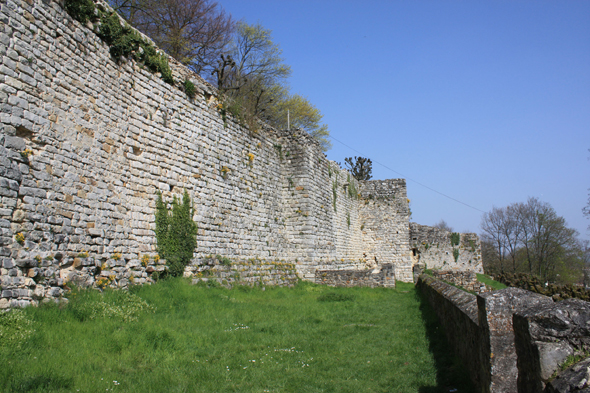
x=512, y=340
x=432, y=247
x=104, y=136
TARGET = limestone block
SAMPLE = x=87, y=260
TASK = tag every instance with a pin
x=496, y=310
x=546, y=335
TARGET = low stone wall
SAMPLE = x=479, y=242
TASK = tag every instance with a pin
x=251, y=272
x=458, y=314
x=439, y=249
x=465, y=279
x=357, y=278
x=546, y=336
x=512, y=340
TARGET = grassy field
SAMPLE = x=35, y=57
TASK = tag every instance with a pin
x=490, y=281
x=175, y=337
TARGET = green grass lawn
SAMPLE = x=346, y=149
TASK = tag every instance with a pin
x=175, y=337
x=489, y=281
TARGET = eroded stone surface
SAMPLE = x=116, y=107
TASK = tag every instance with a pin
x=573, y=379
x=546, y=335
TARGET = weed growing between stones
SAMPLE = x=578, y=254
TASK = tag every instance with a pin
x=455, y=239
x=223, y=260
x=190, y=89
x=335, y=192
x=279, y=150
x=456, y=254
x=26, y=153
x=352, y=191
x=175, y=233
x=20, y=238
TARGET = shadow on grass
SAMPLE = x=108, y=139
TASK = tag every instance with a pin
x=451, y=373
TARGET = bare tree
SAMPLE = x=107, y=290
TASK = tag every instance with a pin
x=532, y=233
x=492, y=224
x=442, y=224
x=195, y=32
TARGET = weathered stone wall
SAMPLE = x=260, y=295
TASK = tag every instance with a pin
x=384, y=216
x=357, y=278
x=512, y=340
x=104, y=136
x=465, y=279
x=545, y=336
x=432, y=247
x=458, y=314
x=246, y=272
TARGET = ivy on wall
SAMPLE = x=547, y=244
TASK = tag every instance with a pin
x=175, y=233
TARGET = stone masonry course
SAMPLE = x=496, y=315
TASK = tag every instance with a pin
x=87, y=140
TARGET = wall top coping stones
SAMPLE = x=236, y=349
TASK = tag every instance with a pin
x=465, y=301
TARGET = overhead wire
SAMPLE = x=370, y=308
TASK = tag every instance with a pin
x=408, y=178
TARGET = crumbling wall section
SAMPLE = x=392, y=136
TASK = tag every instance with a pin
x=443, y=250
x=384, y=215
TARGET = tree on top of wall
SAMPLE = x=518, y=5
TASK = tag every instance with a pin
x=359, y=167
x=442, y=224
x=194, y=32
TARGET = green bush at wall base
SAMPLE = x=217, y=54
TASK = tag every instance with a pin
x=175, y=233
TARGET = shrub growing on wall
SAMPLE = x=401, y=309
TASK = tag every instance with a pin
x=175, y=233
x=120, y=37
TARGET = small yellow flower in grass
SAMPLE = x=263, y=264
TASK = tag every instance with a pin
x=157, y=259
x=145, y=260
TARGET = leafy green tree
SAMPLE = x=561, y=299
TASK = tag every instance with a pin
x=360, y=167
x=175, y=233
x=252, y=74
x=300, y=113
x=253, y=78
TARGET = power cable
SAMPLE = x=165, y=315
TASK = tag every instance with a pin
x=406, y=177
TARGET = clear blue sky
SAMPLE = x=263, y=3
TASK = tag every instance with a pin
x=485, y=101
